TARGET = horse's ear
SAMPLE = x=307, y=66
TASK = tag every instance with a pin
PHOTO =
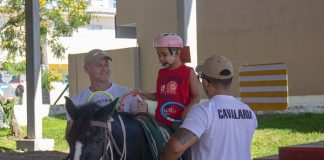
x=107, y=111
x=70, y=108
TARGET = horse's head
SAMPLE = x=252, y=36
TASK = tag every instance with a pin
x=87, y=138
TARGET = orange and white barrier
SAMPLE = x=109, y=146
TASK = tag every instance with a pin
x=264, y=87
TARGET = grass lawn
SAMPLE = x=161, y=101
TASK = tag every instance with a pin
x=53, y=127
x=286, y=129
x=274, y=131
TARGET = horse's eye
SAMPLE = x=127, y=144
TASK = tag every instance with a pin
x=98, y=140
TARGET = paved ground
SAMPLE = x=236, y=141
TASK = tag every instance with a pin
x=45, y=155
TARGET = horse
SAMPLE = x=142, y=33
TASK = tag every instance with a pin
x=100, y=133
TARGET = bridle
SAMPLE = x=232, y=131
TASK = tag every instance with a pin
x=109, y=141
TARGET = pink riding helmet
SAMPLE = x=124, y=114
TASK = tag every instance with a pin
x=168, y=40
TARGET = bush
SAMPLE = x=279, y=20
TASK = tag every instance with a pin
x=48, y=77
x=8, y=108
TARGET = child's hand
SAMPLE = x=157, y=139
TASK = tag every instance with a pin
x=143, y=94
x=142, y=106
x=136, y=92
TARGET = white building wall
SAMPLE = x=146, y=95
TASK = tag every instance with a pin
x=99, y=34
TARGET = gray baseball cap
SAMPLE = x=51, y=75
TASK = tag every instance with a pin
x=95, y=55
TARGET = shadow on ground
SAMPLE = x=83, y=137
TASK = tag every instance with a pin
x=37, y=155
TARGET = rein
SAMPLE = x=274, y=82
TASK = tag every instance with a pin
x=110, y=139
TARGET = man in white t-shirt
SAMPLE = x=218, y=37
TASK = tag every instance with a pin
x=101, y=91
x=219, y=129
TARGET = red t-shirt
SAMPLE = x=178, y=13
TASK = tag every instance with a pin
x=172, y=86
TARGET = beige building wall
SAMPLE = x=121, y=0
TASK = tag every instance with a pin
x=247, y=32
x=254, y=32
x=124, y=69
x=152, y=18
x=126, y=13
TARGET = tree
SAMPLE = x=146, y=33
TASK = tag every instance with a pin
x=57, y=18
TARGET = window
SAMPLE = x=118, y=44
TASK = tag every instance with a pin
x=94, y=27
x=112, y=3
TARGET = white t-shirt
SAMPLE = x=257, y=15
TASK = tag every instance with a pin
x=105, y=97
x=225, y=128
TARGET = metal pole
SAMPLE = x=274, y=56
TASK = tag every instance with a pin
x=67, y=86
x=34, y=100
x=187, y=23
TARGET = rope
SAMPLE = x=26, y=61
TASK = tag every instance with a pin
x=124, y=134
x=111, y=138
x=111, y=141
x=111, y=152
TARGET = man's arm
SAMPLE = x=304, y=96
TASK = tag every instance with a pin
x=194, y=96
x=150, y=96
x=181, y=140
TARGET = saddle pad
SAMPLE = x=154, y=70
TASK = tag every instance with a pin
x=156, y=134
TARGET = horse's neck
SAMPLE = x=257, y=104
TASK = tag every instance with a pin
x=117, y=128
x=137, y=147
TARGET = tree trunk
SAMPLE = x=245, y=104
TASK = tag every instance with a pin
x=15, y=128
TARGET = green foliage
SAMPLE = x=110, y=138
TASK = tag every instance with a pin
x=14, y=68
x=8, y=108
x=57, y=18
x=48, y=77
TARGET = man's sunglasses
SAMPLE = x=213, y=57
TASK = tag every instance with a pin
x=201, y=77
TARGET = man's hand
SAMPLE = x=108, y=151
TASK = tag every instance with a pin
x=142, y=106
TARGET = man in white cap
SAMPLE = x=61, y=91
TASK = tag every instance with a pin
x=219, y=129
x=101, y=91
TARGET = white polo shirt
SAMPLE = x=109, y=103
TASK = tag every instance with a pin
x=225, y=128
x=85, y=96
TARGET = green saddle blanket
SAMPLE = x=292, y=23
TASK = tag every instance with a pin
x=156, y=134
